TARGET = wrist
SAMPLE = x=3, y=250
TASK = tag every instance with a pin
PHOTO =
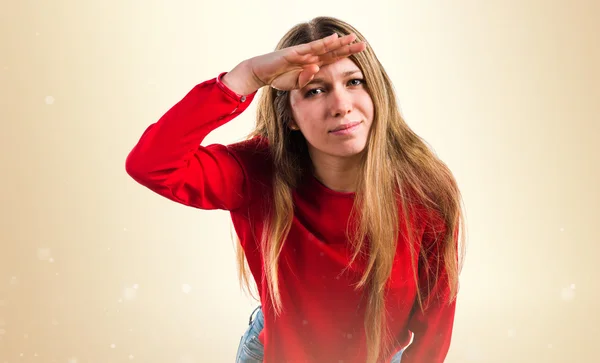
x=241, y=80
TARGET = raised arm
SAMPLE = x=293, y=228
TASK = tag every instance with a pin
x=168, y=158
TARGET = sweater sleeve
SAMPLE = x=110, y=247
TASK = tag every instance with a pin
x=432, y=328
x=169, y=160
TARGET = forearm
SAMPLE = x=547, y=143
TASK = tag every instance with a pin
x=432, y=334
x=241, y=79
x=169, y=159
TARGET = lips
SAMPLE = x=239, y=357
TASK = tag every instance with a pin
x=345, y=126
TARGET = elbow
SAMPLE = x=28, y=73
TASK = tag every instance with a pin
x=135, y=168
x=147, y=169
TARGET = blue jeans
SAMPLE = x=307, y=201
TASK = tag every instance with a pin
x=251, y=349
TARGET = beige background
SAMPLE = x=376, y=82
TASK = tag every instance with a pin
x=95, y=268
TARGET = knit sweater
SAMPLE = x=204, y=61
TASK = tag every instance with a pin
x=323, y=316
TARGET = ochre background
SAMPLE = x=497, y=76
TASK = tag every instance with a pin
x=95, y=268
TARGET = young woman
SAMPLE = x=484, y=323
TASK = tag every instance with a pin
x=347, y=221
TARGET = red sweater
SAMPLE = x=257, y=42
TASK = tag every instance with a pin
x=323, y=315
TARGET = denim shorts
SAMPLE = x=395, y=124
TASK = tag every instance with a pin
x=251, y=349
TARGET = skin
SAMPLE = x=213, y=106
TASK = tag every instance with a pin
x=337, y=101
x=335, y=97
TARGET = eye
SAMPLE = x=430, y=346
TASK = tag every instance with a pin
x=312, y=92
x=360, y=81
x=315, y=91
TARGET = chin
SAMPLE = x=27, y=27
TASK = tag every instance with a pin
x=347, y=151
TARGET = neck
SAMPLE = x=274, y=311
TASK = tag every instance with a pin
x=338, y=174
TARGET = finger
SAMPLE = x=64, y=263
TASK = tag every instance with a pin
x=324, y=45
x=319, y=44
x=314, y=54
x=343, y=52
x=307, y=74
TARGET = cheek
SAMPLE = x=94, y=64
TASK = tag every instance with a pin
x=312, y=131
x=308, y=121
x=369, y=108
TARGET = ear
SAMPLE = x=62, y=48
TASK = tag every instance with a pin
x=293, y=126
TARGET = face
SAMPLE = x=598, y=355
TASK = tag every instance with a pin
x=334, y=112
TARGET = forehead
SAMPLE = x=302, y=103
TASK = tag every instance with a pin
x=337, y=69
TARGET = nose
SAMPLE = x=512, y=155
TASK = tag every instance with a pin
x=340, y=102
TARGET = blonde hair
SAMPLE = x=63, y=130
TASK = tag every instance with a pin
x=399, y=174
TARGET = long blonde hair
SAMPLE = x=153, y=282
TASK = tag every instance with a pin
x=399, y=172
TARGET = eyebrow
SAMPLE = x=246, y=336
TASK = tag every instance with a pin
x=322, y=81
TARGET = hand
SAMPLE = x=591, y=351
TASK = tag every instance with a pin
x=293, y=67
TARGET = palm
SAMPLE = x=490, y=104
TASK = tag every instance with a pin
x=294, y=67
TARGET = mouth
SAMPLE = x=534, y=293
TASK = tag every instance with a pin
x=346, y=127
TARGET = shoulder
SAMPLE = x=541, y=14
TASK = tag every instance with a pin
x=254, y=145
x=430, y=222
x=252, y=153
x=433, y=221
x=254, y=156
